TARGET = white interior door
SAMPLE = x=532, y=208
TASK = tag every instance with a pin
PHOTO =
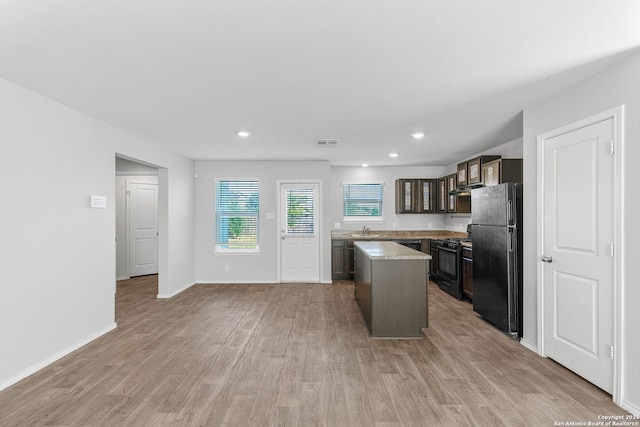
x=578, y=263
x=299, y=233
x=143, y=229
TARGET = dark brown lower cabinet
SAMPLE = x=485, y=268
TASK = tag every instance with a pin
x=467, y=272
x=342, y=267
x=342, y=257
x=434, y=260
x=339, y=268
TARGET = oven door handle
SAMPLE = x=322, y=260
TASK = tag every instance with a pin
x=444, y=248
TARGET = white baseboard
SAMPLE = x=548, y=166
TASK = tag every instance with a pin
x=35, y=368
x=122, y=278
x=173, y=294
x=235, y=282
x=529, y=346
x=261, y=282
x=633, y=408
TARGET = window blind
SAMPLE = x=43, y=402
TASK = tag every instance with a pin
x=300, y=211
x=362, y=200
x=237, y=214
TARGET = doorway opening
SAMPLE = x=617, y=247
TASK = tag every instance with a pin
x=137, y=220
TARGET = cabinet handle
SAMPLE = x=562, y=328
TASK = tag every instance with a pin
x=546, y=259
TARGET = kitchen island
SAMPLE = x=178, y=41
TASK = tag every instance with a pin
x=342, y=250
x=391, y=289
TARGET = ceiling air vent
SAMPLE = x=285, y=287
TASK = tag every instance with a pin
x=326, y=142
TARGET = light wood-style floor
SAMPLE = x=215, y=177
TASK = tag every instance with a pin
x=296, y=355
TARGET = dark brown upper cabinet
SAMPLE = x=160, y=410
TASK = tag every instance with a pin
x=474, y=169
x=442, y=194
x=450, y=198
x=452, y=185
x=502, y=170
x=406, y=195
x=416, y=195
x=462, y=174
x=428, y=191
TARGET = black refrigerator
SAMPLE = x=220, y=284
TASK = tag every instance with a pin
x=497, y=255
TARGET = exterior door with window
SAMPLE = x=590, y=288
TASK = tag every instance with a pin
x=299, y=233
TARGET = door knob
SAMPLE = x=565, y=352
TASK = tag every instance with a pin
x=546, y=259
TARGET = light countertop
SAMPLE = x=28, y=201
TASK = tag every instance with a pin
x=395, y=234
x=390, y=250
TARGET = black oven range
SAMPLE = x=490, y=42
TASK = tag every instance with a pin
x=449, y=268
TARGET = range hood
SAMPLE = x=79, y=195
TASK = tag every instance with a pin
x=465, y=190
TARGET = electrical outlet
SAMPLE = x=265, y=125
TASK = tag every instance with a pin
x=336, y=225
x=394, y=225
x=227, y=268
x=429, y=225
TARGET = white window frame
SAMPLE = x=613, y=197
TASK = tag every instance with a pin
x=219, y=247
x=379, y=218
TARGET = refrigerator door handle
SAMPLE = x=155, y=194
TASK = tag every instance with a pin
x=512, y=238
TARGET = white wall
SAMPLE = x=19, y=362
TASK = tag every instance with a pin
x=614, y=86
x=57, y=255
x=262, y=267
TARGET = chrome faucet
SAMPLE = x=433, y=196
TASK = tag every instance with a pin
x=365, y=230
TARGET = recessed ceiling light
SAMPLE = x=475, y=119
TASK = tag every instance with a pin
x=393, y=155
x=243, y=134
x=365, y=165
x=417, y=135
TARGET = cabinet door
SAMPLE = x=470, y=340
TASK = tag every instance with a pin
x=434, y=262
x=510, y=170
x=452, y=184
x=467, y=277
x=338, y=265
x=349, y=260
x=406, y=196
x=462, y=174
x=427, y=195
x=474, y=171
x=491, y=173
x=442, y=195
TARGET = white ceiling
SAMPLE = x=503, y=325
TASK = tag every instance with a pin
x=189, y=74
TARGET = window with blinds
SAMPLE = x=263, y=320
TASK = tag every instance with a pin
x=362, y=201
x=237, y=215
x=300, y=211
